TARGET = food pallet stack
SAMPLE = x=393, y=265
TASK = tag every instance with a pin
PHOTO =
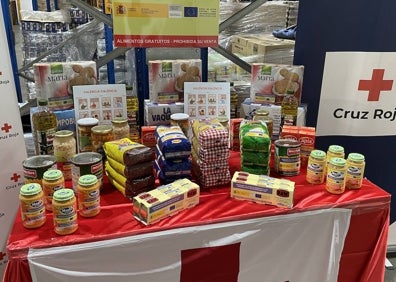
x=210, y=154
x=255, y=147
x=172, y=154
x=129, y=167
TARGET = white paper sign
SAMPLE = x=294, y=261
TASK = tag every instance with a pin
x=103, y=102
x=207, y=99
x=358, y=96
x=12, y=143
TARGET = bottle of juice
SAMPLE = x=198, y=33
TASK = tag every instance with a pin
x=289, y=109
x=44, y=128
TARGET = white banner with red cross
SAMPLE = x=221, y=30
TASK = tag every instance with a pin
x=12, y=144
x=358, y=94
x=297, y=247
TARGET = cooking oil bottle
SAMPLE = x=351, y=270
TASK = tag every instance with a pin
x=289, y=109
x=44, y=128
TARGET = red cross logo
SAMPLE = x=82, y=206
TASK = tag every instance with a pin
x=375, y=85
x=2, y=256
x=6, y=127
x=15, y=177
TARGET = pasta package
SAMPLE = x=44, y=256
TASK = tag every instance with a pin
x=181, y=165
x=172, y=143
x=254, y=136
x=134, y=171
x=210, y=133
x=211, y=163
x=127, y=152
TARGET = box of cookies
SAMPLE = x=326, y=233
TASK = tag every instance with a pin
x=271, y=82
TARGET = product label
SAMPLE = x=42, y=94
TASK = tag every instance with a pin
x=45, y=141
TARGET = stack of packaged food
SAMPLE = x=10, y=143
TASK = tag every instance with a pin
x=172, y=154
x=255, y=147
x=129, y=166
x=210, y=154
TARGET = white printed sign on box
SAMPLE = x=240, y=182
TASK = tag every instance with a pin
x=358, y=94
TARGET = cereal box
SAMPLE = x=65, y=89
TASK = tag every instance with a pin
x=270, y=82
x=167, y=77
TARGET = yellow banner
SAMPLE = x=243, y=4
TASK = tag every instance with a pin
x=157, y=23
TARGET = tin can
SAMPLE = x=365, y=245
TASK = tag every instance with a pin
x=31, y=198
x=335, y=179
x=88, y=195
x=84, y=127
x=316, y=167
x=52, y=180
x=355, y=171
x=64, y=206
x=287, y=157
x=34, y=167
x=181, y=120
x=86, y=163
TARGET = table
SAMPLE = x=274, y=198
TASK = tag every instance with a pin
x=362, y=259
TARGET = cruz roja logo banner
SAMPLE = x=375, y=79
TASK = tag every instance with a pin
x=358, y=95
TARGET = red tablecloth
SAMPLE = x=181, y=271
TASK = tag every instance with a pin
x=363, y=256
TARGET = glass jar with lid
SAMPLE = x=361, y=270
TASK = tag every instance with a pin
x=263, y=115
x=64, y=150
x=120, y=128
x=101, y=134
x=84, y=126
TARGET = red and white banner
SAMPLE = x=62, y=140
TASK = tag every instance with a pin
x=297, y=247
x=358, y=95
x=12, y=144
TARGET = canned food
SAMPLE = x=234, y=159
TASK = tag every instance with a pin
x=287, y=157
x=34, y=167
x=84, y=127
x=86, y=163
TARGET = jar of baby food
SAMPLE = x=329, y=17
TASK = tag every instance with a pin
x=355, y=171
x=31, y=198
x=64, y=209
x=335, y=181
x=52, y=180
x=88, y=195
x=316, y=167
